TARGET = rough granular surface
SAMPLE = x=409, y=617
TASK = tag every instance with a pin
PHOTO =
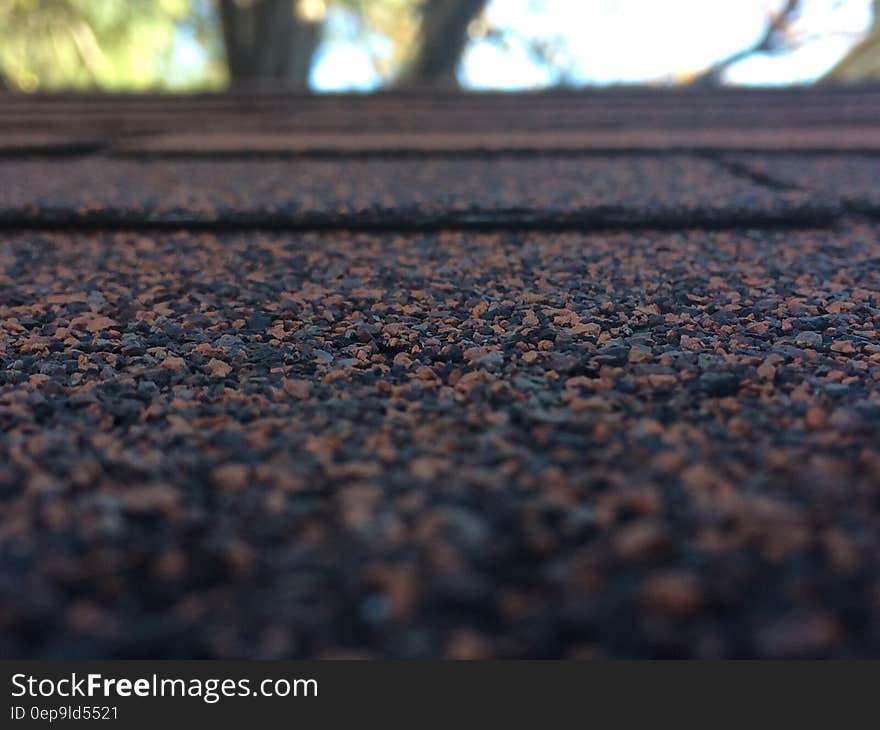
x=447, y=444
x=548, y=189
x=852, y=179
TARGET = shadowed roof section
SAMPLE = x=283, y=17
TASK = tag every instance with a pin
x=434, y=375
x=636, y=157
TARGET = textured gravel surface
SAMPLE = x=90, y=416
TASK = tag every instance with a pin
x=451, y=444
x=853, y=179
x=594, y=190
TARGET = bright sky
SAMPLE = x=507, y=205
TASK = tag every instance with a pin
x=631, y=41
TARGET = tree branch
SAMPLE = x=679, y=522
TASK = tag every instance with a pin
x=767, y=43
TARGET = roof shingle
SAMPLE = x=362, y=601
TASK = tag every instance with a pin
x=542, y=438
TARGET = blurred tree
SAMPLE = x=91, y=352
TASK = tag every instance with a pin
x=863, y=61
x=136, y=45
x=53, y=44
x=143, y=44
x=425, y=38
x=776, y=38
x=443, y=36
x=387, y=30
x=552, y=52
x=271, y=41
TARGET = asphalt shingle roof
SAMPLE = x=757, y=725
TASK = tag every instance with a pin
x=596, y=190
x=579, y=375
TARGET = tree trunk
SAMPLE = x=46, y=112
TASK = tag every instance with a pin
x=862, y=63
x=443, y=38
x=267, y=43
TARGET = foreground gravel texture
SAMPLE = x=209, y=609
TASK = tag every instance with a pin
x=451, y=444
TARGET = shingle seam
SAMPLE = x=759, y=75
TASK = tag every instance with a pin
x=852, y=205
x=746, y=172
x=860, y=207
x=801, y=217
x=59, y=149
x=107, y=150
x=469, y=153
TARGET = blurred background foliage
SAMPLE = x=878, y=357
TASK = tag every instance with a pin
x=140, y=45
x=58, y=44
